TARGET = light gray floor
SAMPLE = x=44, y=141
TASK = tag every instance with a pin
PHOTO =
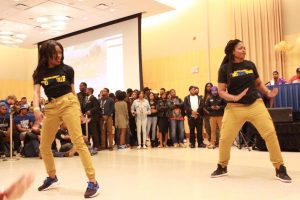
x=163, y=174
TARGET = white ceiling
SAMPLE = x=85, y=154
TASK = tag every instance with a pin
x=84, y=14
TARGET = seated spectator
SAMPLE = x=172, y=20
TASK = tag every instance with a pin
x=276, y=80
x=23, y=101
x=24, y=122
x=215, y=106
x=296, y=78
x=66, y=146
x=9, y=101
x=4, y=130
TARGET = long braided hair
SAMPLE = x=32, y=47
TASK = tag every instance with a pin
x=46, y=50
x=229, y=57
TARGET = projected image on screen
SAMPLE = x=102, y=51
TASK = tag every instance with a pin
x=99, y=63
x=105, y=57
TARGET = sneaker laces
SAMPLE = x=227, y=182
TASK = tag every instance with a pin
x=91, y=185
x=48, y=179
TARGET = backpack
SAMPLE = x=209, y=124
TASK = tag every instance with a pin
x=31, y=148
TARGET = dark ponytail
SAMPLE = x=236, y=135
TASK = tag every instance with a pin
x=46, y=50
x=229, y=57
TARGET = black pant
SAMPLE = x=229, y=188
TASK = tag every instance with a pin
x=195, y=123
x=93, y=127
x=132, y=126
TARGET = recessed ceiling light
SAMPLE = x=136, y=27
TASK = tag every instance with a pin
x=112, y=10
x=102, y=6
x=11, y=38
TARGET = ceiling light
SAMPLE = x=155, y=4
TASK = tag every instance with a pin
x=112, y=10
x=6, y=33
x=10, y=38
x=102, y=6
x=53, y=22
x=20, y=36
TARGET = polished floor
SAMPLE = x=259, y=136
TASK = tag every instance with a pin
x=163, y=174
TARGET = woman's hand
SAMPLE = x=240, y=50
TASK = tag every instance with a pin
x=272, y=93
x=39, y=116
x=241, y=95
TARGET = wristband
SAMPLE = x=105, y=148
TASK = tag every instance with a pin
x=36, y=109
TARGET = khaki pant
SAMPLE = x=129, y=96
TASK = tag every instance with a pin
x=65, y=108
x=214, y=122
x=235, y=116
x=106, y=123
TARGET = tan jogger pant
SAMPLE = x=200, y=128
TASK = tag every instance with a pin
x=67, y=109
x=235, y=116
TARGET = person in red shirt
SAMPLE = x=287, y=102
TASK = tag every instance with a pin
x=295, y=78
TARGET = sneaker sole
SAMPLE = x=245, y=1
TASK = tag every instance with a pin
x=282, y=180
x=51, y=186
x=217, y=176
x=94, y=195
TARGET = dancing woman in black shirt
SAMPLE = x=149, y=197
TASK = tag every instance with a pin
x=241, y=80
x=57, y=79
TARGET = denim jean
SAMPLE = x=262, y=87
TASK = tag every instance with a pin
x=151, y=124
x=177, y=127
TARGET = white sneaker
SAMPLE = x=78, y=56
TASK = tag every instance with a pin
x=144, y=147
x=139, y=147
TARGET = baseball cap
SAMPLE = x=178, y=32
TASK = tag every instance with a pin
x=214, y=88
x=24, y=107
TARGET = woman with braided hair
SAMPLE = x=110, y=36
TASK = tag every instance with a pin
x=238, y=84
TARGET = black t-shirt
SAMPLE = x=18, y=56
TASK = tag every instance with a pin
x=4, y=123
x=153, y=105
x=243, y=76
x=57, y=81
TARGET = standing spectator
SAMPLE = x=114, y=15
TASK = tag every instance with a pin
x=193, y=106
x=92, y=111
x=176, y=119
x=206, y=123
x=121, y=118
x=296, y=78
x=106, y=121
x=140, y=109
x=163, y=120
x=161, y=92
x=152, y=118
x=215, y=106
x=132, y=122
x=129, y=92
x=4, y=130
x=82, y=98
x=146, y=91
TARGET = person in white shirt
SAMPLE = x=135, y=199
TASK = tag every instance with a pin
x=193, y=106
x=140, y=108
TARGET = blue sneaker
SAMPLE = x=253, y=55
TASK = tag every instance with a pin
x=48, y=183
x=92, y=190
